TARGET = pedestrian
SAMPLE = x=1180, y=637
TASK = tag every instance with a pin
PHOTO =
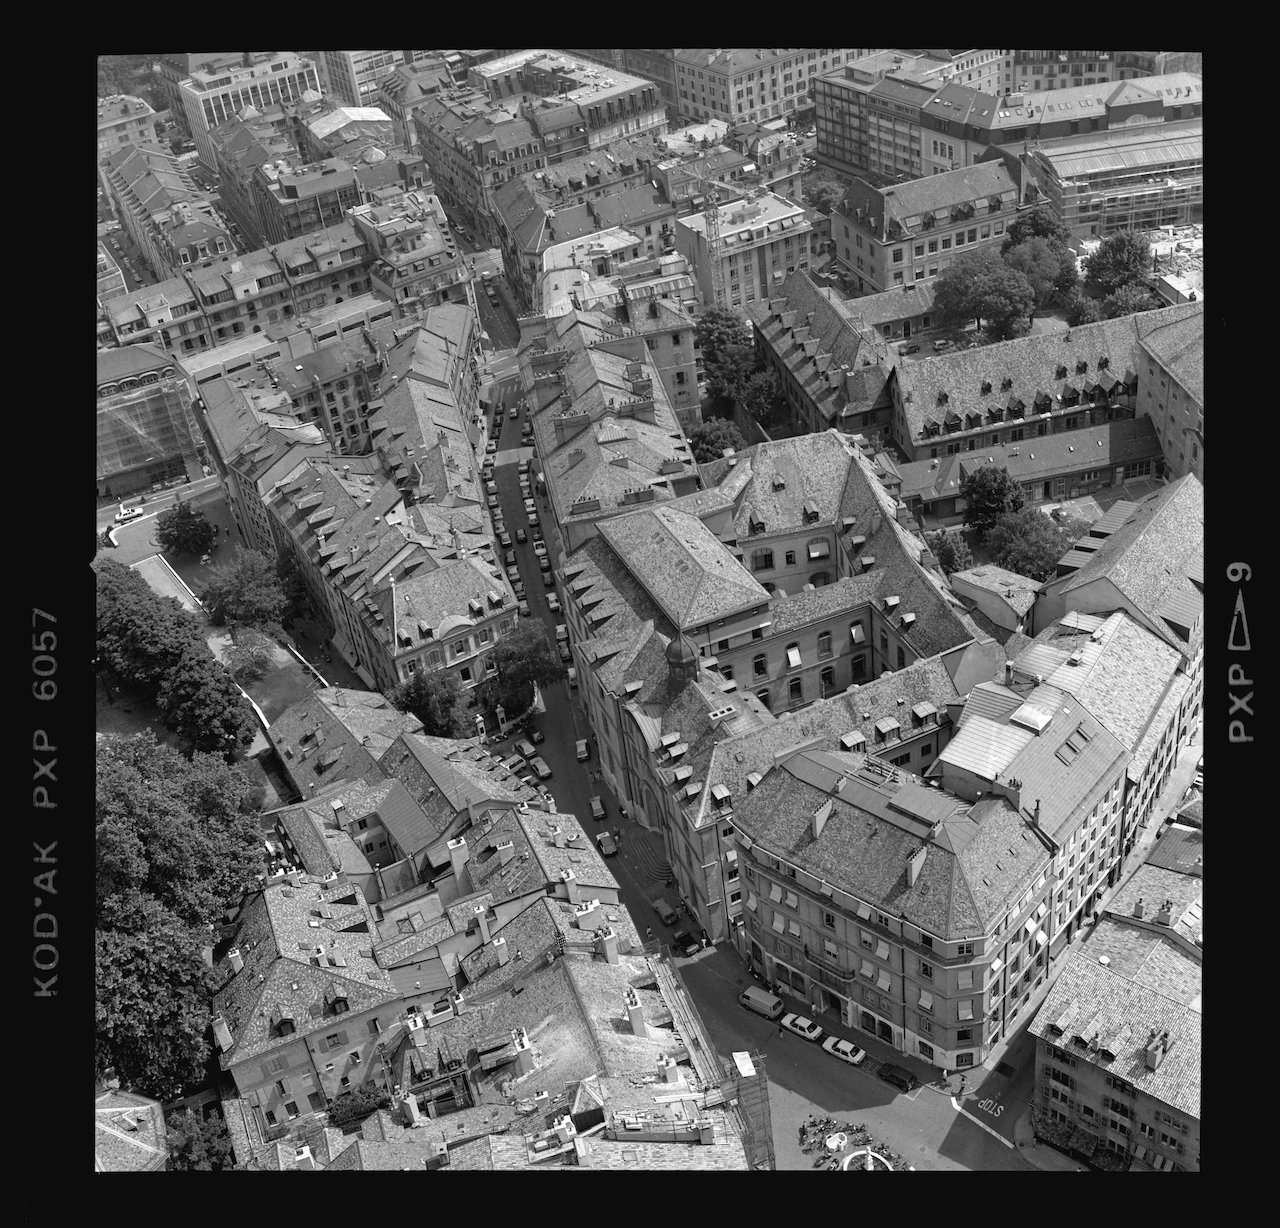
x=648, y=932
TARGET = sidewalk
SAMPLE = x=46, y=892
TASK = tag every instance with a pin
x=1040, y=1155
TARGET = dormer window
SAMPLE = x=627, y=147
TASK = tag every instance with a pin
x=1081, y=366
x=986, y=387
x=1006, y=384
x=943, y=398
x=1103, y=363
x=1061, y=372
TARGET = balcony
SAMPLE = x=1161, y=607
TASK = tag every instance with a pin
x=829, y=972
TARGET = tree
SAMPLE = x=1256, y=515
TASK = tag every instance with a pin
x=198, y=1144
x=989, y=493
x=710, y=439
x=728, y=355
x=1120, y=259
x=246, y=591
x=824, y=196
x=181, y=831
x=350, y=1110
x=982, y=287
x=249, y=654
x=436, y=700
x=952, y=550
x=200, y=701
x=151, y=1005
x=1129, y=300
x=1030, y=543
x=140, y=635
x=762, y=398
x=1083, y=310
x=1038, y=223
x=524, y=659
x=183, y=530
x=1039, y=262
x=296, y=595
x=1068, y=277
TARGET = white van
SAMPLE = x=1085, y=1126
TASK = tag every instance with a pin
x=761, y=1001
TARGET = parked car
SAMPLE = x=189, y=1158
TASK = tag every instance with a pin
x=535, y=735
x=493, y=502
x=540, y=549
x=666, y=914
x=553, y=603
x=845, y=1050
x=490, y=488
x=913, y=348
x=513, y=763
x=509, y=558
x=584, y=750
x=903, y=1080
x=943, y=344
x=491, y=446
x=515, y=412
x=573, y=678
x=525, y=748
x=801, y=1025
x=539, y=765
x=544, y=564
x=548, y=580
x=685, y=943
x=597, y=808
x=524, y=465
x=521, y=536
x=608, y=848
x=562, y=631
x=518, y=589
x=530, y=508
x=565, y=655
x=523, y=607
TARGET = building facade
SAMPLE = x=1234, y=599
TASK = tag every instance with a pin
x=354, y=77
x=292, y=200
x=124, y=120
x=213, y=95
x=1172, y=395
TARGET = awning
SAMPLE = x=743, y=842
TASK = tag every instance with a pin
x=926, y=1000
x=779, y=922
x=882, y=981
x=794, y=927
x=1044, y=908
x=864, y=911
x=882, y=949
x=856, y=631
x=793, y=657
x=819, y=550
x=793, y=900
x=751, y=900
x=1140, y=1152
x=996, y=965
x=868, y=970
x=1030, y=926
x=731, y=855
x=775, y=893
x=966, y=1009
x=1041, y=939
x=966, y=978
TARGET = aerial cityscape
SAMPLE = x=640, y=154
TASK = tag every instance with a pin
x=649, y=610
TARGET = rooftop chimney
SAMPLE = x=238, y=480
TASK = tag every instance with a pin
x=524, y=1053
x=607, y=944
x=506, y=852
x=458, y=856
x=916, y=864
x=303, y=1159
x=668, y=1070
x=1036, y=817
x=1008, y=673
x=570, y=881
x=587, y=915
x=409, y=1111
x=482, y=916
x=820, y=817
x=564, y=1128
x=635, y=1013
x=1139, y=908
x=222, y=1034
x=500, y=950
x=236, y=959
x=1165, y=915
x=559, y=837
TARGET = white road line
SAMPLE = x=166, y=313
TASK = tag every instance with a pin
x=982, y=1125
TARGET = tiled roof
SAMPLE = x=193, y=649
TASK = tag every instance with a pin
x=1153, y=556
x=127, y=360
x=1108, y=1003
x=1030, y=364
x=687, y=570
x=908, y=202
x=1016, y=590
x=1178, y=346
x=282, y=974
x=129, y=1133
x=1179, y=848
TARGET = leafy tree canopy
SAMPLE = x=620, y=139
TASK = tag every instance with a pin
x=350, y=1110
x=953, y=552
x=436, y=700
x=248, y=590
x=1030, y=543
x=1041, y=264
x=201, y=702
x=762, y=398
x=183, y=831
x=198, y=1144
x=1120, y=259
x=980, y=286
x=989, y=492
x=183, y=530
x=1038, y=223
x=1129, y=300
x=710, y=439
x=140, y=635
x=524, y=658
x=1084, y=310
x=824, y=195
x=718, y=327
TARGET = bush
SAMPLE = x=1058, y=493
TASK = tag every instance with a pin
x=347, y=1112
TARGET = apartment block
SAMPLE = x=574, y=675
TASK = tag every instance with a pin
x=400, y=93
x=1172, y=394
x=291, y=199
x=413, y=260
x=907, y=234
x=761, y=241
x=213, y=94
x=752, y=83
x=1118, y=1047
x=354, y=77
x=124, y=120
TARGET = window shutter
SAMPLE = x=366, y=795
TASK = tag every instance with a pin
x=322, y=1045
x=342, y=1038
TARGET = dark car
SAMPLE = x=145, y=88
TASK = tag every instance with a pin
x=909, y=349
x=895, y=1076
x=685, y=943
